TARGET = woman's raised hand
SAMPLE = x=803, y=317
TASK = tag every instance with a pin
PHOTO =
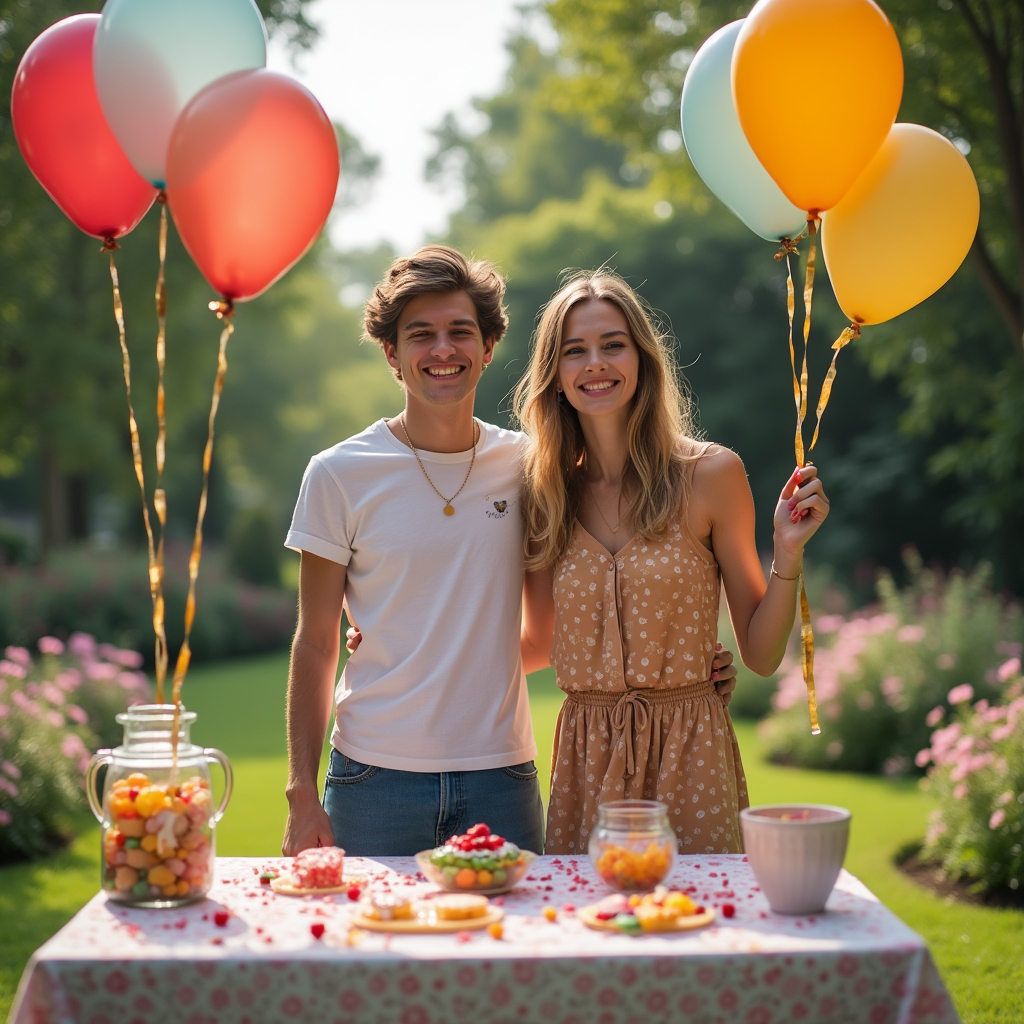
x=802, y=508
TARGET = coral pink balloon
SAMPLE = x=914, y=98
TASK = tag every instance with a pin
x=65, y=138
x=252, y=174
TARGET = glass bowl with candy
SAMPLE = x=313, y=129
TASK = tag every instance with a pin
x=633, y=848
x=478, y=861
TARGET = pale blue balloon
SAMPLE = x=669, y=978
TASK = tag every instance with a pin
x=150, y=57
x=719, y=149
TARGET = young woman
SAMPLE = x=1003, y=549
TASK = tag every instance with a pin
x=633, y=525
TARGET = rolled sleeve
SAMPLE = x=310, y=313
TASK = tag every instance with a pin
x=321, y=523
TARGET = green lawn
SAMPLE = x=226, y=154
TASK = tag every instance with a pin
x=980, y=951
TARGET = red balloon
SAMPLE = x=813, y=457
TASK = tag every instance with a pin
x=65, y=139
x=252, y=174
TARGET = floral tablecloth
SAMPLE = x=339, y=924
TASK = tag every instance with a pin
x=247, y=956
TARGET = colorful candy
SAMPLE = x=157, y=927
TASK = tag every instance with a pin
x=159, y=843
x=633, y=870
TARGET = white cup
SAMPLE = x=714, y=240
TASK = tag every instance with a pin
x=796, y=852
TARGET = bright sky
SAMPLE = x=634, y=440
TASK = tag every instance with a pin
x=389, y=70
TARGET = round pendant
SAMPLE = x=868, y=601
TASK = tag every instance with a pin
x=448, y=510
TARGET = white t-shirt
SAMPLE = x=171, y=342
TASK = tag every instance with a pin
x=437, y=683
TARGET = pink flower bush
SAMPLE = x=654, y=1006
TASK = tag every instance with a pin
x=977, y=776
x=47, y=735
x=887, y=676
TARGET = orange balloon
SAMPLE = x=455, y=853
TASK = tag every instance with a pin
x=904, y=228
x=252, y=174
x=817, y=85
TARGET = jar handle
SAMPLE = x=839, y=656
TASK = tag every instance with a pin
x=229, y=780
x=99, y=759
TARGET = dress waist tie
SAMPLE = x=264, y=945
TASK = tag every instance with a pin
x=631, y=709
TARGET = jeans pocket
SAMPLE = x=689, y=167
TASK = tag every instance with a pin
x=525, y=772
x=346, y=771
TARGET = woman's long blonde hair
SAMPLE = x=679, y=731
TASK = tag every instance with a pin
x=655, y=477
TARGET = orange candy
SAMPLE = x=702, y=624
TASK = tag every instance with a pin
x=466, y=878
x=623, y=868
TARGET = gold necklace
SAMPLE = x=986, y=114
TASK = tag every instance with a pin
x=593, y=497
x=448, y=508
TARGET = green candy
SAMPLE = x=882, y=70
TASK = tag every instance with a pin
x=140, y=889
x=500, y=877
x=131, y=844
x=627, y=923
x=449, y=873
x=490, y=864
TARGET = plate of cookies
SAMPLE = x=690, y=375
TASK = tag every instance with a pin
x=449, y=912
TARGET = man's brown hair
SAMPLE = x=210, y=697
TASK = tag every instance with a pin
x=436, y=269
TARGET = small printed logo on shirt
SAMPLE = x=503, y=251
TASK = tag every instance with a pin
x=501, y=508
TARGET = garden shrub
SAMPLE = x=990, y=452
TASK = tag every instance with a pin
x=107, y=595
x=880, y=672
x=977, y=777
x=53, y=713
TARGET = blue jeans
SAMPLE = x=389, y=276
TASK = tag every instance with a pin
x=382, y=812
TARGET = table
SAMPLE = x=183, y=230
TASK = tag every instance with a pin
x=855, y=963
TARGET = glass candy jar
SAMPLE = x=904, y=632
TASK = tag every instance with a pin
x=633, y=847
x=157, y=810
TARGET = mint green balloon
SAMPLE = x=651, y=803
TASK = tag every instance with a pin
x=719, y=149
x=150, y=57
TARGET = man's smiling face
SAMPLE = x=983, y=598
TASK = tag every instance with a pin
x=440, y=352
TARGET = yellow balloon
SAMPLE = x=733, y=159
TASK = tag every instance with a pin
x=817, y=85
x=904, y=228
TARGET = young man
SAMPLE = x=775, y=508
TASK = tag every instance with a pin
x=414, y=525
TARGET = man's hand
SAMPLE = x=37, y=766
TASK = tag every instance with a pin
x=308, y=825
x=723, y=673
x=353, y=638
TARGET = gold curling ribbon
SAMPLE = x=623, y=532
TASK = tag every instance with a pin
x=844, y=339
x=800, y=396
x=807, y=656
x=225, y=311
x=787, y=249
x=110, y=247
x=156, y=568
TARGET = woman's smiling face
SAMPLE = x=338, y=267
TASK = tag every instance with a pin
x=598, y=362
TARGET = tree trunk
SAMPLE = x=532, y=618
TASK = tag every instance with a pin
x=53, y=497
x=78, y=507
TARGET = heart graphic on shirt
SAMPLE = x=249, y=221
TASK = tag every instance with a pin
x=501, y=505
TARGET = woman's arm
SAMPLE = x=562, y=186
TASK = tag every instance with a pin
x=762, y=614
x=538, y=619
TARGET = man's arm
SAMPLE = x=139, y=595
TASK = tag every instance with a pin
x=311, y=677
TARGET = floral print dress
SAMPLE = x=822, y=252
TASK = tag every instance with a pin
x=634, y=641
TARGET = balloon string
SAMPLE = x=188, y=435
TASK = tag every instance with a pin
x=807, y=656
x=844, y=339
x=225, y=311
x=808, y=297
x=787, y=250
x=806, y=629
x=159, y=496
x=110, y=247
